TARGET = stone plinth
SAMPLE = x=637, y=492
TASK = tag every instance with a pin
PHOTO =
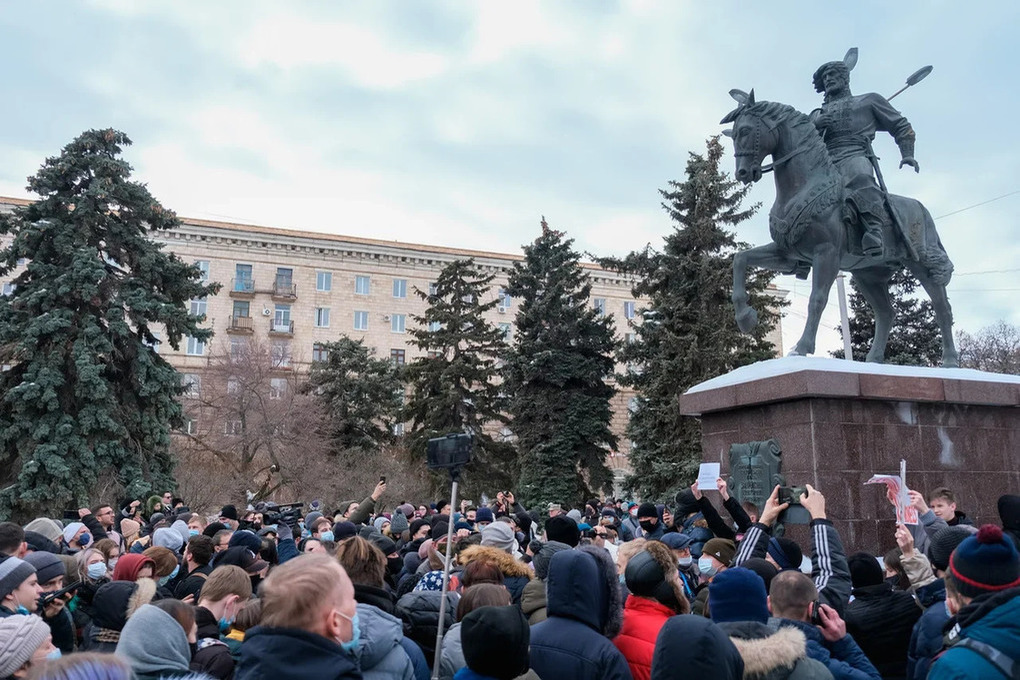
x=840, y=422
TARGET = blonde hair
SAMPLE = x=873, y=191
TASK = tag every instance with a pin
x=224, y=581
x=364, y=562
x=295, y=593
x=627, y=551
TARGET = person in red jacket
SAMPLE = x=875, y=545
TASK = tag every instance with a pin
x=656, y=594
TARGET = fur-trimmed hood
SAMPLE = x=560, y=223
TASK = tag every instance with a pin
x=767, y=653
x=583, y=586
x=505, y=561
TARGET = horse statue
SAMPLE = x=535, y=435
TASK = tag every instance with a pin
x=812, y=228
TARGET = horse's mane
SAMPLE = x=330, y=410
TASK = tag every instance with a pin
x=798, y=122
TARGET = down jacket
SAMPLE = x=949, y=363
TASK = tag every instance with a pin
x=584, y=613
x=380, y=653
x=881, y=620
x=990, y=619
x=643, y=618
x=420, y=611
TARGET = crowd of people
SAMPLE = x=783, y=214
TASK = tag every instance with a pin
x=609, y=589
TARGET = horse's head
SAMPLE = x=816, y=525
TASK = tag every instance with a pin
x=753, y=133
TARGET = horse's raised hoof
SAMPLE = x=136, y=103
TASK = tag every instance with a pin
x=799, y=351
x=951, y=362
x=747, y=320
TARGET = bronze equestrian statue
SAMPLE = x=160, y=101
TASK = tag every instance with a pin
x=830, y=213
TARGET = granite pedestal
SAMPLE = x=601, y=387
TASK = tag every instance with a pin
x=840, y=422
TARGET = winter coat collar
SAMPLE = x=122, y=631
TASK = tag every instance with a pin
x=982, y=606
x=764, y=650
x=505, y=561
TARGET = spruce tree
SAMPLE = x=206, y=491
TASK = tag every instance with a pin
x=361, y=395
x=688, y=333
x=556, y=374
x=86, y=395
x=915, y=338
x=453, y=386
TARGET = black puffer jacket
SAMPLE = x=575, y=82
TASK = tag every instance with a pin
x=881, y=620
x=420, y=613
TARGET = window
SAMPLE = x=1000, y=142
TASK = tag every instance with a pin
x=277, y=388
x=506, y=434
x=397, y=356
x=203, y=266
x=505, y=301
x=434, y=326
x=198, y=307
x=195, y=347
x=400, y=288
x=190, y=425
x=237, y=347
x=154, y=345
x=433, y=288
x=633, y=404
x=233, y=428
x=9, y=289
x=361, y=321
x=506, y=330
x=398, y=322
x=284, y=276
x=22, y=261
x=630, y=338
x=322, y=317
x=233, y=386
x=281, y=319
x=243, y=281
x=192, y=384
x=362, y=285
x=323, y=281
x=281, y=353
x=628, y=309
x=398, y=429
x=319, y=352
x=434, y=354
x=600, y=306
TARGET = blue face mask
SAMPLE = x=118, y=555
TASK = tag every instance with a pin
x=623, y=579
x=193, y=532
x=706, y=567
x=326, y=536
x=166, y=579
x=84, y=539
x=96, y=571
x=23, y=610
x=351, y=645
x=225, y=623
x=54, y=655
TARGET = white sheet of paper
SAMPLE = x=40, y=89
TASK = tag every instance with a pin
x=707, y=474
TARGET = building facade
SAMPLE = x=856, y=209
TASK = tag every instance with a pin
x=295, y=290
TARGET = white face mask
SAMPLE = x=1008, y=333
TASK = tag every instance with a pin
x=96, y=570
x=685, y=561
x=706, y=567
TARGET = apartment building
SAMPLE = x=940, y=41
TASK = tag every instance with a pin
x=295, y=290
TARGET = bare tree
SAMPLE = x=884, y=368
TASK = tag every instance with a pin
x=995, y=348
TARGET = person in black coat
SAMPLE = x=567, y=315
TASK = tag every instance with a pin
x=879, y=618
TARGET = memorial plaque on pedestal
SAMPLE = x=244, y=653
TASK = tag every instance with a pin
x=755, y=470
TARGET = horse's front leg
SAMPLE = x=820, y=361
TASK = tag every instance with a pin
x=768, y=257
x=824, y=267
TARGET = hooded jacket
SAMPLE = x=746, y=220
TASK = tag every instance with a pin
x=114, y=604
x=584, y=613
x=693, y=647
x=452, y=658
x=154, y=644
x=379, y=652
x=643, y=618
x=773, y=655
x=991, y=619
x=293, y=654
x=881, y=621
x=516, y=575
x=533, y=601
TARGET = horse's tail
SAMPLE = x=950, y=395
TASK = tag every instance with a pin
x=933, y=255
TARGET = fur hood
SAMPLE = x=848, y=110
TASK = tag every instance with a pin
x=583, y=586
x=505, y=561
x=767, y=654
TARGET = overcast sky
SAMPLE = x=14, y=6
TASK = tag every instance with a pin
x=461, y=123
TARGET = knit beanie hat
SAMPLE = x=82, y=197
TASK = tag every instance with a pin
x=70, y=530
x=20, y=637
x=130, y=528
x=500, y=535
x=50, y=528
x=721, y=549
x=646, y=510
x=738, y=594
x=944, y=542
x=763, y=568
x=380, y=521
x=985, y=563
x=440, y=529
x=864, y=570
x=495, y=641
x=563, y=529
x=13, y=573
x=1009, y=511
x=311, y=517
x=544, y=555
x=39, y=543
x=47, y=566
x=686, y=503
x=243, y=538
x=344, y=529
x=484, y=515
x=213, y=529
x=785, y=552
x=398, y=523
x=406, y=509
x=229, y=511
x=169, y=539
x=416, y=525
x=387, y=545
x=575, y=515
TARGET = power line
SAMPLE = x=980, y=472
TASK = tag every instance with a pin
x=978, y=205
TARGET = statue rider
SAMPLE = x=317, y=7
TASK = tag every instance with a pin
x=848, y=123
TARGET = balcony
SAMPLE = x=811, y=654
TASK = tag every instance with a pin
x=242, y=288
x=281, y=328
x=240, y=324
x=284, y=289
